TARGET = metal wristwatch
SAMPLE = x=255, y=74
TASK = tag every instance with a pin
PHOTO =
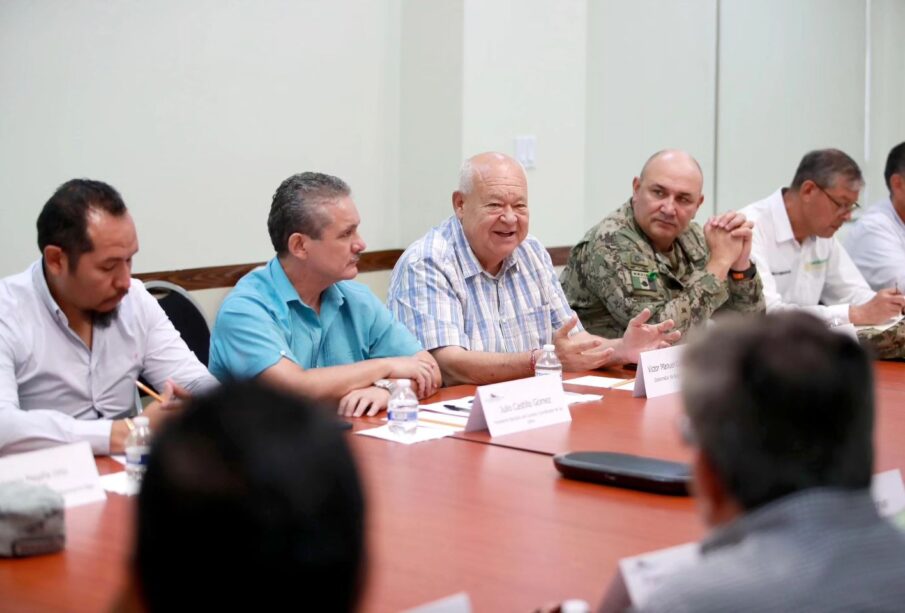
x=385, y=384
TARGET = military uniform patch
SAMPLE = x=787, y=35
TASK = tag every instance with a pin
x=643, y=281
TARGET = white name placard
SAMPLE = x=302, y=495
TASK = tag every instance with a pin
x=658, y=372
x=68, y=469
x=516, y=406
x=643, y=574
x=888, y=492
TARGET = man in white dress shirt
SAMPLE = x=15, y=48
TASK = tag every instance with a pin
x=76, y=331
x=801, y=263
x=876, y=240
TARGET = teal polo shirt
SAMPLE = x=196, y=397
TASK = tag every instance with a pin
x=263, y=320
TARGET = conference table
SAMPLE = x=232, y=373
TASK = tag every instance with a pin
x=488, y=516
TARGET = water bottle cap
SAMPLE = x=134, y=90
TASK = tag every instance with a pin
x=404, y=382
x=574, y=605
x=549, y=347
x=141, y=421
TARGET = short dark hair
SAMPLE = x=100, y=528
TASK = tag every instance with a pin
x=780, y=404
x=298, y=207
x=895, y=164
x=825, y=167
x=251, y=500
x=64, y=219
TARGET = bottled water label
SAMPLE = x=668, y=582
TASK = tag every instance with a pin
x=137, y=456
x=403, y=419
x=137, y=462
x=541, y=371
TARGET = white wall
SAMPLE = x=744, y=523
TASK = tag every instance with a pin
x=197, y=110
x=651, y=67
x=791, y=80
x=430, y=112
x=524, y=74
x=887, y=92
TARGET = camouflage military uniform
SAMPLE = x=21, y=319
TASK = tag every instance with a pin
x=886, y=345
x=614, y=273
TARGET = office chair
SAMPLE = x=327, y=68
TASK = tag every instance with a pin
x=186, y=315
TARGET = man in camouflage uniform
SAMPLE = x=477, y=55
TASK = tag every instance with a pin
x=649, y=254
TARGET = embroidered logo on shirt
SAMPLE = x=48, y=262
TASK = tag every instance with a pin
x=815, y=265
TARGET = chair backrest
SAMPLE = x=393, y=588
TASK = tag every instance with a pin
x=186, y=315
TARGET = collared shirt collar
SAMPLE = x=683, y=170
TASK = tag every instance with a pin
x=43, y=291
x=471, y=267
x=812, y=506
x=781, y=224
x=288, y=294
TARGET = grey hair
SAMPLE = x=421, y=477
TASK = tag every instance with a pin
x=466, y=177
x=467, y=170
x=298, y=206
x=826, y=167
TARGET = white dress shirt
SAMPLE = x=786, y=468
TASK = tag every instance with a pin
x=54, y=389
x=876, y=244
x=816, y=275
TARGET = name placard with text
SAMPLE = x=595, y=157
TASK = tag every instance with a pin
x=658, y=372
x=516, y=406
x=68, y=469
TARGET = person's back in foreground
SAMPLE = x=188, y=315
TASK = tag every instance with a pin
x=251, y=501
x=780, y=411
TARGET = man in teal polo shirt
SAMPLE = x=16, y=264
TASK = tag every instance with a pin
x=301, y=324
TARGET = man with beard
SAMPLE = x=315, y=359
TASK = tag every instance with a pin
x=76, y=331
x=301, y=324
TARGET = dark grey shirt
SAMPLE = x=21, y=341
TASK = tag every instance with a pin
x=818, y=550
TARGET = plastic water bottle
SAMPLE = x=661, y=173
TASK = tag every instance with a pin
x=138, y=445
x=548, y=364
x=402, y=410
x=575, y=605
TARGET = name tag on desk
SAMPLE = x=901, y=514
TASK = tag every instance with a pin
x=516, y=406
x=658, y=372
x=68, y=469
x=888, y=492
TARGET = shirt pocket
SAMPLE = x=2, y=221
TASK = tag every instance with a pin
x=528, y=330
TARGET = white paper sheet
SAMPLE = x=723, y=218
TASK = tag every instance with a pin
x=423, y=433
x=119, y=483
x=882, y=327
x=576, y=398
x=603, y=382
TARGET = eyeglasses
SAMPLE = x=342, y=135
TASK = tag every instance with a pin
x=848, y=208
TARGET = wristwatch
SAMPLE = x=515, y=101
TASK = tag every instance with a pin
x=384, y=384
x=742, y=275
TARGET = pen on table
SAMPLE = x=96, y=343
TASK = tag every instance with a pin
x=147, y=390
x=622, y=384
x=455, y=408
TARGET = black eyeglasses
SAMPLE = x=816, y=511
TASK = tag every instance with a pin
x=848, y=208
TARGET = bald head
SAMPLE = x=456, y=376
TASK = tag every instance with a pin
x=676, y=159
x=666, y=196
x=487, y=164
